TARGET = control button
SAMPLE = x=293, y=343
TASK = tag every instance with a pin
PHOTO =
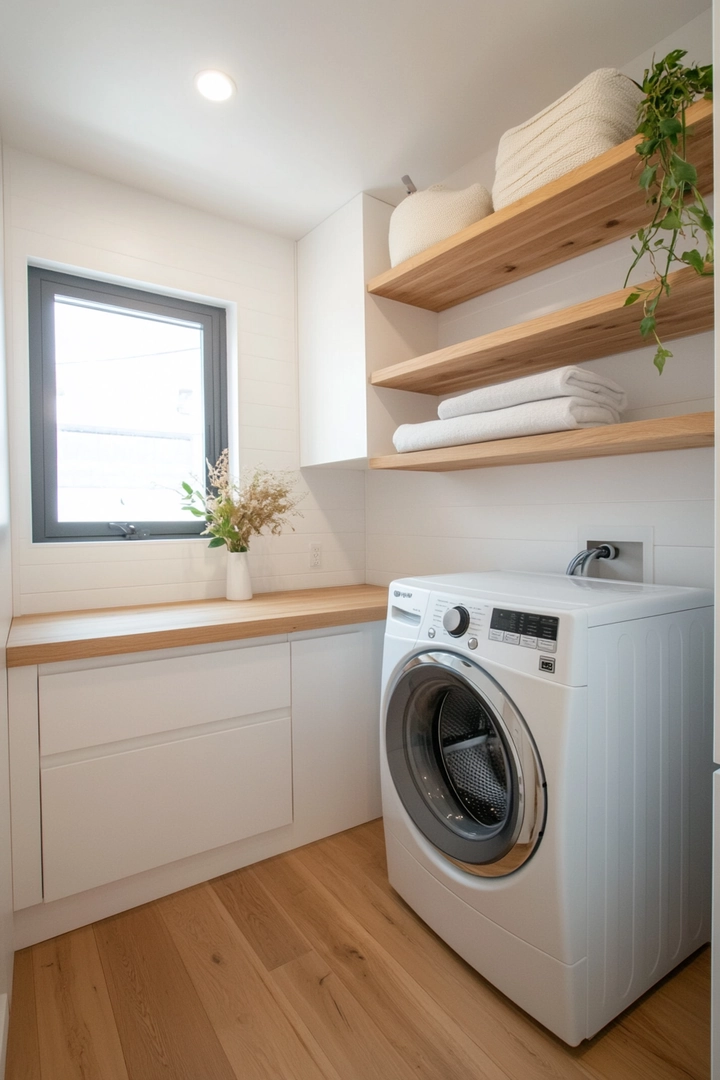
x=456, y=620
x=495, y=635
x=528, y=642
x=547, y=646
x=512, y=639
x=431, y=632
x=472, y=643
x=547, y=664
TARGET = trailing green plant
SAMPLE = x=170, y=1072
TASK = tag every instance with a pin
x=236, y=510
x=680, y=215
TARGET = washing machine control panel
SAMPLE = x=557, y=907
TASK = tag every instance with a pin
x=455, y=617
x=469, y=622
x=524, y=628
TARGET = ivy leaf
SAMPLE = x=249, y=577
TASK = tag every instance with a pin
x=217, y=541
x=647, y=325
x=671, y=126
x=647, y=176
x=631, y=299
x=694, y=258
x=683, y=170
x=671, y=221
x=647, y=148
x=660, y=357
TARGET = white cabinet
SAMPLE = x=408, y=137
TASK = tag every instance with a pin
x=108, y=817
x=344, y=334
x=336, y=695
x=135, y=776
x=146, y=763
x=98, y=706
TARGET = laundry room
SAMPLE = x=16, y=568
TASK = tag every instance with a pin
x=357, y=518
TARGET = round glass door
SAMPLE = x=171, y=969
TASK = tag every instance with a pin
x=474, y=758
x=464, y=764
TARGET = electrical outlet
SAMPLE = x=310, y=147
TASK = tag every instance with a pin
x=315, y=556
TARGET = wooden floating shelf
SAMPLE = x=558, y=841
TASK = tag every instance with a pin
x=591, y=206
x=691, y=431
x=599, y=327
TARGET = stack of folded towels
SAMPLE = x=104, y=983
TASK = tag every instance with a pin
x=569, y=397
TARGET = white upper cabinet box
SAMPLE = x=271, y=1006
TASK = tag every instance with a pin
x=344, y=334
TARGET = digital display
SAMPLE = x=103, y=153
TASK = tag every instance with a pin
x=525, y=623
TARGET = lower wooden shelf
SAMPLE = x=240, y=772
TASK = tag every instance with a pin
x=690, y=431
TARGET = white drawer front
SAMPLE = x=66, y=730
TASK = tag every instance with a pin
x=110, y=817
x=104, y=705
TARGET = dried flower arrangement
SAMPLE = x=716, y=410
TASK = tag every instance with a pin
x=237, y=510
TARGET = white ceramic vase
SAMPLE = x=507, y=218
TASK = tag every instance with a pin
x=238, y=585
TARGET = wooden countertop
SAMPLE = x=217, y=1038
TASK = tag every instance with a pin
x=78, y=635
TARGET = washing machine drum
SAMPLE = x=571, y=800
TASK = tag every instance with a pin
x=464, y=764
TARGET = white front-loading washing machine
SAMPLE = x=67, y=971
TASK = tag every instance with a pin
x=546, y=776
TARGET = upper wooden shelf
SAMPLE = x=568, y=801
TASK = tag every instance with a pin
x=599, y=327
x=585, y=209
x=690, y=431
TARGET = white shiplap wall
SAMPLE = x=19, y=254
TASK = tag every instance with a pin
x=527, y=517
x=59, y=216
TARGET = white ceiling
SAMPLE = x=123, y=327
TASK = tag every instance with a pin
x=335, y=96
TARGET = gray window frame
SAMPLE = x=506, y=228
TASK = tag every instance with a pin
x=43, y=285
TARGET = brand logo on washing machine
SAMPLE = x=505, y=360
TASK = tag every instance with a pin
x=405, y=595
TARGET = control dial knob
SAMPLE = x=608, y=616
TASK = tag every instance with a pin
x=456, y=620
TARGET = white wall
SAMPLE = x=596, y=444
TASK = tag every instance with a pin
x=63, y=217
x=6, y=917
x=527, y=517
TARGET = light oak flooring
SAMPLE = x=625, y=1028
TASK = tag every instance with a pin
x=309, y=967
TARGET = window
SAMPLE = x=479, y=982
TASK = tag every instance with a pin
x=128, y=393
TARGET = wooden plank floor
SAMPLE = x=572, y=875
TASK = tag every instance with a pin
x=309, y=967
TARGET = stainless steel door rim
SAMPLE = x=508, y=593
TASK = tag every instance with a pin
x=464, y=763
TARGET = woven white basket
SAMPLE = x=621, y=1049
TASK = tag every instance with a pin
x=597, y=114
x=426, y=217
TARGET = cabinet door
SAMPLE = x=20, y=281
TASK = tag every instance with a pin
x=108, y=704
x=336, y=700
x=115, y=815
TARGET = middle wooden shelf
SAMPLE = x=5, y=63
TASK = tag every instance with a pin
x=599, y=327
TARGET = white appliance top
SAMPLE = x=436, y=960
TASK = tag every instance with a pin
x=602, y=601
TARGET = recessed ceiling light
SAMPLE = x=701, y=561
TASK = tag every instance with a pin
x=215, y=85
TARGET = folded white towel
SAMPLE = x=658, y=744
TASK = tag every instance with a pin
x=532, y=418
x=597, y=114
x=569, y=381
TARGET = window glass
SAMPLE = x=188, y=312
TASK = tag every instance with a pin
x=125, y=404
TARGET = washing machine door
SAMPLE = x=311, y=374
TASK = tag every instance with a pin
x=464, y=764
